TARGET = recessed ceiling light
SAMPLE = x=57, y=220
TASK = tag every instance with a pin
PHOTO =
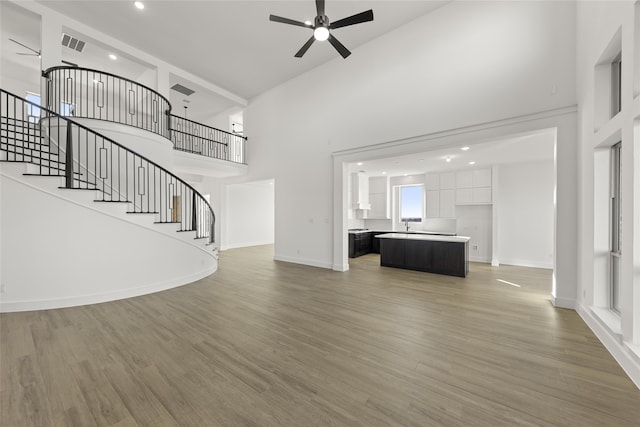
x=112, y=57
x=384, y=172
x=139, y=4
x=464, y=148
x=448, y=159
x=359, y=163
x=472, y=163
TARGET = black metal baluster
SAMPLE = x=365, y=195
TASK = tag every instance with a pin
x=68, y=167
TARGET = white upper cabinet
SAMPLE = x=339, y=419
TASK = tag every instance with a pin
x=447, y=181
x=379, y=198
x=464, y=179
x=440, y=195
x=473, y=187
x=482, y=178
x=431, y=181
x=448, y=203
x=433, y=203
x=360, y=190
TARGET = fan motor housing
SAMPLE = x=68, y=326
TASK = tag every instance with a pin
x=322, y=21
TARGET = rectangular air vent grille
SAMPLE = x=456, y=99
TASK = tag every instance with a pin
x=72, y=42
x=183, y=90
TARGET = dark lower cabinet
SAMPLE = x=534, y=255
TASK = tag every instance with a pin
x=418, y=254
x=360, y=244
x=375, y=242
x=450, y=258
x=392, y=253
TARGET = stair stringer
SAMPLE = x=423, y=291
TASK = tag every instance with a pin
x=78, y=251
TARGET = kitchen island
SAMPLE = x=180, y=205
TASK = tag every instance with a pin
x=423, y=252
x=362, y=241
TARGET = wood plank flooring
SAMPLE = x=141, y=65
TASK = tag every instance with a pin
x=264, y=343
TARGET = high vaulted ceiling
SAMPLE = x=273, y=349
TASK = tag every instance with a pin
x=232, y=43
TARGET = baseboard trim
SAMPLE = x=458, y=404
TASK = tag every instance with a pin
x=618, y=349
x=340, y=267
x=246, y=245
x=303, y=261
x=563, y=302
x=527, y=263
x=14, y=306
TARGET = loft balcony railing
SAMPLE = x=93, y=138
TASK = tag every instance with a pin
x=93, y=94
x=86, y=93
x=197, y=138
x=59, y=146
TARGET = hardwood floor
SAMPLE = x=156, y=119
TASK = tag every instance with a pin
x=264, y=343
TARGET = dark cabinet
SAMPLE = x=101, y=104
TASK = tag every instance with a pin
x=392, y=253
x=360, y=244
x=375, y=242
x=451, y=258
x=418, y=254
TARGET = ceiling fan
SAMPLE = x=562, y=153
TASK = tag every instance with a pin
x=32, y=53
x=322, y=28
x=38, y=53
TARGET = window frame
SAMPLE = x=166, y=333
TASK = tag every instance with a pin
x=400, y=204
x=615, y=226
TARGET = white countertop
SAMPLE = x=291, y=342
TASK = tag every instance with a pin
x=437, y=238
x=410, y=232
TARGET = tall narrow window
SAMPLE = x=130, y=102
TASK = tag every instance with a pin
x=616, y=228
x=33, y=112
x=411, y=203
x=616, y=85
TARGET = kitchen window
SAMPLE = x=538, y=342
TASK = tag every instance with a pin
x=411, y=203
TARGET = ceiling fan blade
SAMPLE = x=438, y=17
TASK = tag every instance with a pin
x=339, y=46
x=306, y=47
x=27, y=54
x=320, y=7
x=26, y=47
x=353, y=19
x=287, y=21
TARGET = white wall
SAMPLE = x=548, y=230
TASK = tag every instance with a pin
x=249, y=215
x=466, y=63
x=525, y=212
x=86, y=252
x=474, y=221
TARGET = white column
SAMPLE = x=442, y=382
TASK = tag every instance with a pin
x=51, y=49
x=495, y=201
x=162, y=81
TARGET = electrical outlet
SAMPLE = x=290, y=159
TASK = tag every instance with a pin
x=475, y=247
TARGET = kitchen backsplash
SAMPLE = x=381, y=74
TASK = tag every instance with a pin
x=442, y=225
x=355, y=223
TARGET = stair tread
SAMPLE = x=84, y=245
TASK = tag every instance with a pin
x=134, y=212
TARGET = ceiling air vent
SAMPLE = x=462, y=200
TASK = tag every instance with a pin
x=72, y=42
x=183, y=90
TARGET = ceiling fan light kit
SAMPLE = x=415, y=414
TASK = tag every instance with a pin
x=322, y=28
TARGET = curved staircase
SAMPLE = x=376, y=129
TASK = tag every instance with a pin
x=86, y=219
